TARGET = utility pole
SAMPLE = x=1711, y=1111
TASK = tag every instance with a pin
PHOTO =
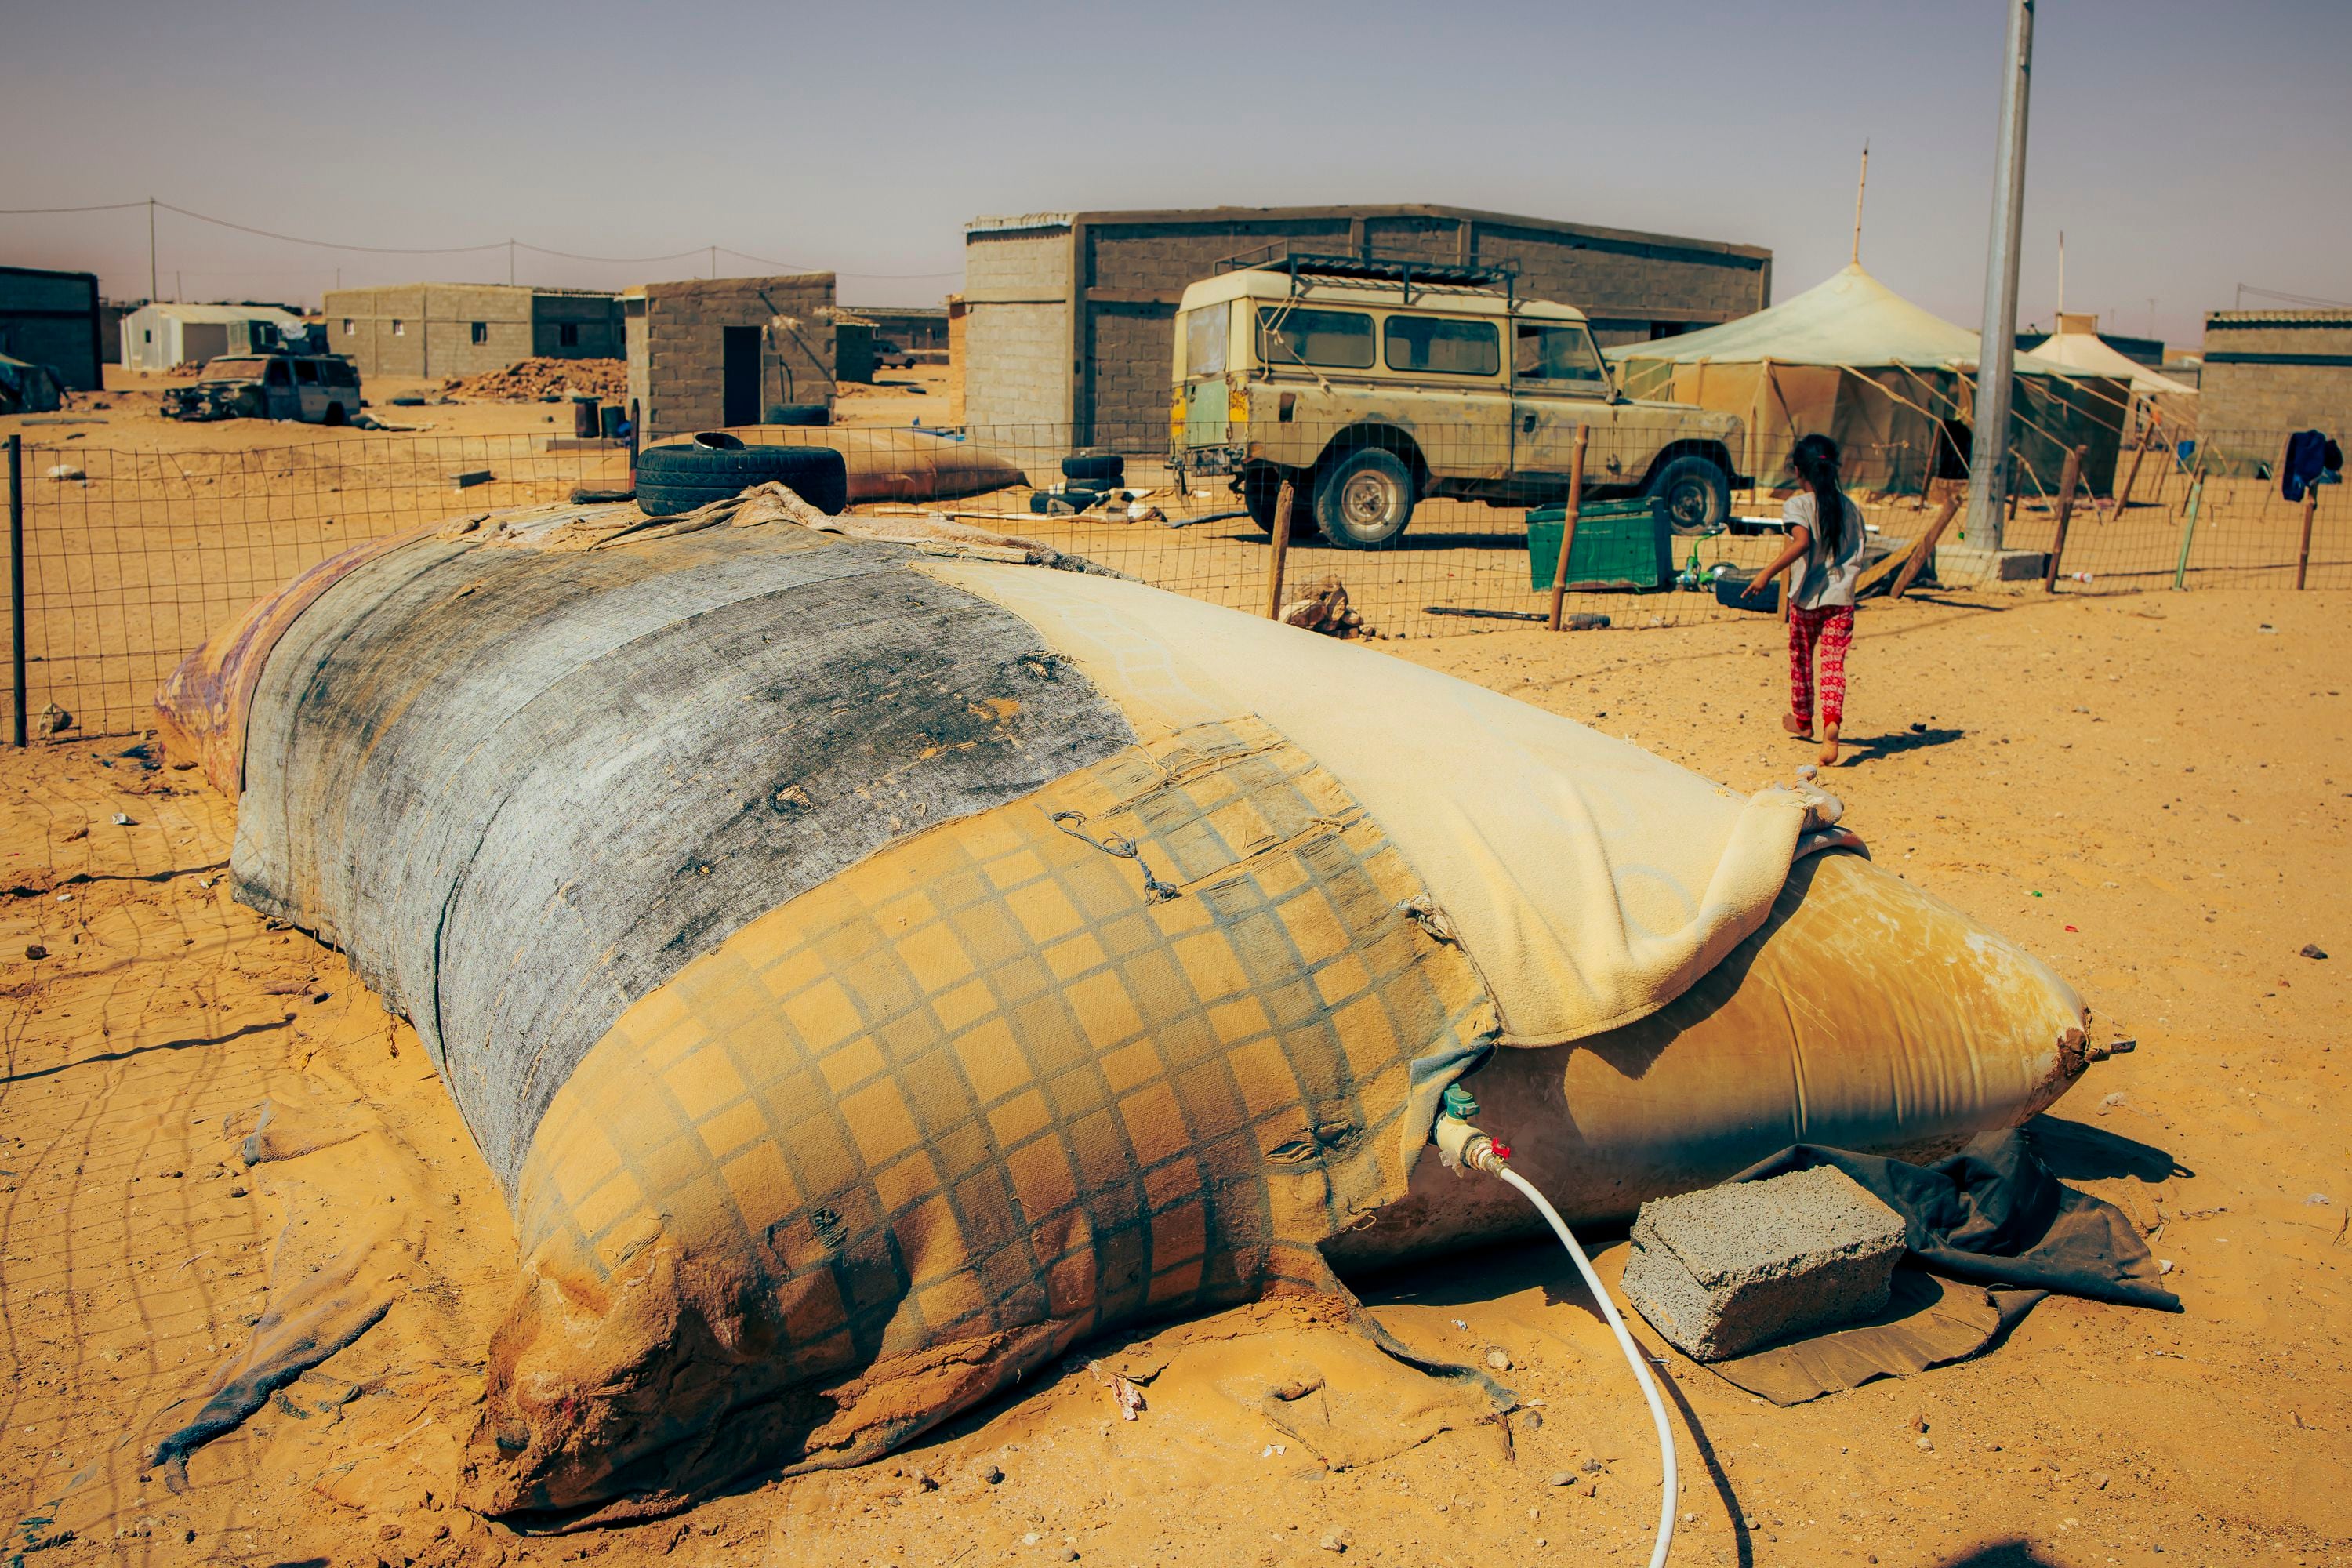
x=1997, y=350
x=154, y=280
x=510, y=272
x=714, y=262
x=1860, y=184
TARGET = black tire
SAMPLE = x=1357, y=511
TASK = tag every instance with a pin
x=674, y=479
x=1109, y=469
x=799, y=414
x=335, y=415
x=1698, y=495
x=1365, y=499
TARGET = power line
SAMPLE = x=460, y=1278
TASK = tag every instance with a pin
x=332, y=245
x=2246, y=289
x=794, y=267
x=101, y=207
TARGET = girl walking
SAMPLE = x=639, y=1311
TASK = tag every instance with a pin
x=1825, y=534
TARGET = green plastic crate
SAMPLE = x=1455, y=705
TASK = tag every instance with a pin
x=1620, y=544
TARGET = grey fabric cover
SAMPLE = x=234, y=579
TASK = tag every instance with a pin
x=524, y=788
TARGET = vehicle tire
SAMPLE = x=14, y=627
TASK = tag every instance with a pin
x=1698, y=495
x=1364, y=500
x=1261, y=492
x=799, y=414
x=335, y=415
x=674, y=479
x=1111, y=469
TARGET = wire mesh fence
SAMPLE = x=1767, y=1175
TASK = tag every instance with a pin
x=132, y=558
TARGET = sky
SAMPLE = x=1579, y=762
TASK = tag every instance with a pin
x=2184, y=148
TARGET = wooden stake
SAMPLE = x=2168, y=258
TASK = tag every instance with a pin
x=1568, y=524
x=2131, y=476
x=1925, y=551
x=2067, y=480
x=1282, y=505
x=2303, y=553
x=2189, y=528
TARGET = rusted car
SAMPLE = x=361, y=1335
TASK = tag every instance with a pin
x=1372, y=386
x=316, y=389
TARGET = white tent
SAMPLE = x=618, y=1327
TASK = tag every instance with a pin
x=2078, y=346
x=1892, y=383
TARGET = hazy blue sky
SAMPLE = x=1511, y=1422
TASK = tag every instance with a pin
x=2184, y=148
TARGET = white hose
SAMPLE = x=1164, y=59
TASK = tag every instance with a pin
x=1633, y=1359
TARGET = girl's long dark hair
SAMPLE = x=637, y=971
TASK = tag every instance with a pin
x=1815, y=459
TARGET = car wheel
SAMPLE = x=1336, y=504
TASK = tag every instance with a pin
x=1365, y=499
x=335, y=415
x=1696, y=493
x=1261, y=490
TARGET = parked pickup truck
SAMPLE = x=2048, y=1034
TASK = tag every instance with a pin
x=318, y=389
x=1371, y=385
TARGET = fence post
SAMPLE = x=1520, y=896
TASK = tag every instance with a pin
x=2131, y=476
x=2067, y=480
x=2189, y=527
x=1568, y=524
x=1282, y=505
x=16, y=576
x=1925, y=551
x=2302, y=555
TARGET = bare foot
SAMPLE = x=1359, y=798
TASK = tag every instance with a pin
x=1802, y=731
x=1828, y=746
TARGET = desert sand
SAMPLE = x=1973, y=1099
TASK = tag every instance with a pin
x=2149, y=789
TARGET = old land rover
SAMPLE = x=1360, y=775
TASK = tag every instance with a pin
x=1372, y=386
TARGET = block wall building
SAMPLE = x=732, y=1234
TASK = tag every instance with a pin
x=1069, y=316
x=2271, y=372
x=52, y=319
x=708, y=354
x=465, y=329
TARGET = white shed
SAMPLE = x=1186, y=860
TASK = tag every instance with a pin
x=157, y=337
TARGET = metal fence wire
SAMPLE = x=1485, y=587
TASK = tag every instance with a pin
x=131, y=558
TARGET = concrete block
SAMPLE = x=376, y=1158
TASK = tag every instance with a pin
x=465, y=479
x=1732, y=1268
x=1965, y=564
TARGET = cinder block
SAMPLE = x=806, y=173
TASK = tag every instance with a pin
x=1734, y=1268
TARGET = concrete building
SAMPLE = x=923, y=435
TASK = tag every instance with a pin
x=2273, y=371
x=1069, y=315
x=157, y=336
x=465, y=329
x=52, y=319
x=908, y=326
x=709, y=353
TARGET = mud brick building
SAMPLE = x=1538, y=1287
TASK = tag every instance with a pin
x=1069, y=316
x=2269, y=371
x=465, y=329
x=709, y=353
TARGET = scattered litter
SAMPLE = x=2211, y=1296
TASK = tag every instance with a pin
x=65, y=471
x=54, y=720
x=2320, y=1198
x=35, y=951
x=1270, y=1450
x=2071, y=928
x=2313, y=950
x=1123, y=1394
x=121, y=820
x=64, y=897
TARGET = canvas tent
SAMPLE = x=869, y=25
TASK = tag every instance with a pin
x=1892, y=383
x=2159, y=402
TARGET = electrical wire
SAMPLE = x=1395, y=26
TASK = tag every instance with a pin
x=1668, y=1481
x=101, y=207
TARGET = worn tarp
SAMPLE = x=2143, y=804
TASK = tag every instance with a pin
x=871, y=969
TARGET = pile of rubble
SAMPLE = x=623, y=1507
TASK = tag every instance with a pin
x=540, y=380
x=1325, y=610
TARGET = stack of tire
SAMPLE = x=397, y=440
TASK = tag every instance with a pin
x=717, y=467
x=1085, y=480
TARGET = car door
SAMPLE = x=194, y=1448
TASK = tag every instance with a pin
x=1557, y=386
x=279, y=398
x=310, y=394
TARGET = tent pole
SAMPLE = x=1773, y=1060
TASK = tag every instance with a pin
x=1997, y=348
x=1861, y=182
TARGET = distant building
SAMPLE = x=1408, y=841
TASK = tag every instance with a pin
x=1069, y=316
x=2271, y=372
x=159, y=336
x=52, y=319
x=465, y=329
x=709, y=353
x=2148, y=351
x=908, y=326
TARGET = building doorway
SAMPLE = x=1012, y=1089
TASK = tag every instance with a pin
x=738, y=380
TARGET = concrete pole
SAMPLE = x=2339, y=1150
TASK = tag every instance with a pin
x=153, y=282
x=1996, y=353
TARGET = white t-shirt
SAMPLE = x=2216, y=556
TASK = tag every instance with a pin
x=1824, y=581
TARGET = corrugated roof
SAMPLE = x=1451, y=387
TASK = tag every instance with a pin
x=2278, y=318
x=226, y=313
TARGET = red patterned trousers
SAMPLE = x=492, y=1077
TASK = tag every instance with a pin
x=1830, y=629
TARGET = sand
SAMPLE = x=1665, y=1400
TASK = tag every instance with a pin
x=2149, y=789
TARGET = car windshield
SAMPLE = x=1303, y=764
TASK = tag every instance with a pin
x=1561, y=355
x=236, y=370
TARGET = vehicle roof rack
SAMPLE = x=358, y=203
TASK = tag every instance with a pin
x=1305, y=269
